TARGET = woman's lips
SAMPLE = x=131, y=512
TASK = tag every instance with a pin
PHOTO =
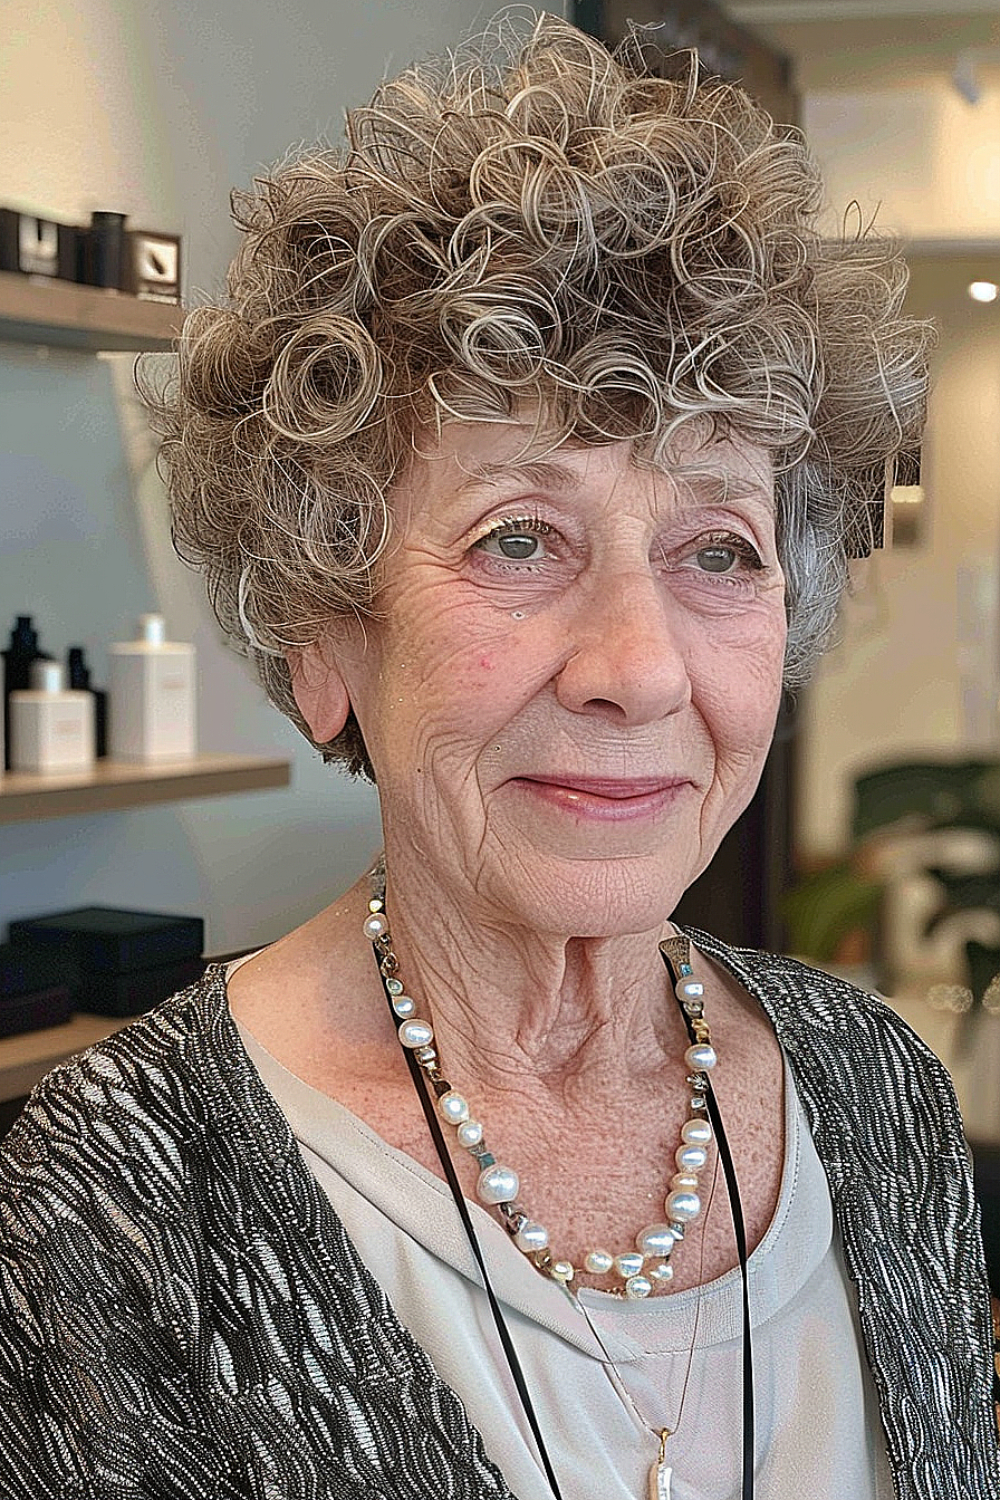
x=608, y=798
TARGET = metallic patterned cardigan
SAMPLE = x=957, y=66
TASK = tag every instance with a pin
x=183, y=1316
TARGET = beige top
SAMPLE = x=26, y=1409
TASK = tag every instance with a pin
x=818, y=1431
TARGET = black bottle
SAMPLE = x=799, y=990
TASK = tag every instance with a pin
x=79, y=678
x=17, y=659
x=106, y=249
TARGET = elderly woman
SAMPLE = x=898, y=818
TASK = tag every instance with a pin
x=524, y=458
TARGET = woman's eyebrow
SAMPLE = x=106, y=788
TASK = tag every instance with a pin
x=539, y=473
x=718, y=489
x=705, y=486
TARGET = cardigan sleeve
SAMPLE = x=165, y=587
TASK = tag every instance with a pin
x=100, y=1343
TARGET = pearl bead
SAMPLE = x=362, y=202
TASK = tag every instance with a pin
x=598, y=1262
x=683, y=1204
x=416, y=1033
x=689, y=988
x=376, y=903
x=454, y=1108
x=470, y=1133
x=498, y=1184
x=531, y=1237
x=701, y=1057
x=657, y=1240
x=684, y=1180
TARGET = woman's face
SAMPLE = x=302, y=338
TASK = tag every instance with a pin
x=570, y=692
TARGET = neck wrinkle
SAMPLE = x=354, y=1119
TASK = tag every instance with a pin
x=511, y=1006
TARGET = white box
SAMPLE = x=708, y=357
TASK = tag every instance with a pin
x=151, y=708
x=51, y=731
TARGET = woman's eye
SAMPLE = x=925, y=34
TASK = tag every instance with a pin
x=520, y=541
x=728, y=555
x=717, y=559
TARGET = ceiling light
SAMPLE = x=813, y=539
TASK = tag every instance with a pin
x=984, y=291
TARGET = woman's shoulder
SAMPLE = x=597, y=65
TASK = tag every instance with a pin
x=156, y=1034
x=128, y=1160
x=800, y=996
x=850, y=1053
x=143, y=1094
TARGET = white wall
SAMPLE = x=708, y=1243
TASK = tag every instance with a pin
x=157, y=111
x=921, y=156
x=918, y=668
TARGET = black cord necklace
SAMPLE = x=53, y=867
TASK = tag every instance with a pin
x=660, y=1475
x=741, y=1247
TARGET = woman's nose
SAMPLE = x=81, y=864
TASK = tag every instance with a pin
x=627, y=663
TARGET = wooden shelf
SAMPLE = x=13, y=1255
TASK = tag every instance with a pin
x=44, y=310
x=26, y=1058
x=111, y=785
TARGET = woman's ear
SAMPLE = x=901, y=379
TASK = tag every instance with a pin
x=319, y=689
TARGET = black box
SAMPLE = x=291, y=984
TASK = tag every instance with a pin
x=35, y=1010
x=134, y=992
x=73, y=242
x=106, y=940
x=24, y=970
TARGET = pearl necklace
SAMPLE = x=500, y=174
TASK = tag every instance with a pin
x=497, y=1187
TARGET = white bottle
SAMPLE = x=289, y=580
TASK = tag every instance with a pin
x=151, y=696
x=51, y=728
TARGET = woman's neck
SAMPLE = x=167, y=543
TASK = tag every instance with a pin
x=510, y=1003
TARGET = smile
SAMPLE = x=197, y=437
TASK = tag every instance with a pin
x=605, y=798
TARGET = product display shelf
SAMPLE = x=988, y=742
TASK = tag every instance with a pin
x=43, y=310
x=110, y=785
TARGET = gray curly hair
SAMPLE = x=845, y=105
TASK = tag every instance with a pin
x=530, y=222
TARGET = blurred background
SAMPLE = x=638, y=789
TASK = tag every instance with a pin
x=874, y=845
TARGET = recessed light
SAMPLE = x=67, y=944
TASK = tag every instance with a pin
x=984, y=291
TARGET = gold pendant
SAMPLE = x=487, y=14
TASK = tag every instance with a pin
x=660, y=1473
x=678, y=951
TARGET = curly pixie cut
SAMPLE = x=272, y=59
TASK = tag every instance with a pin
x=534, y=224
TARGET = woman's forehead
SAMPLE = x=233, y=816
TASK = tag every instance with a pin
x=472, y=459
